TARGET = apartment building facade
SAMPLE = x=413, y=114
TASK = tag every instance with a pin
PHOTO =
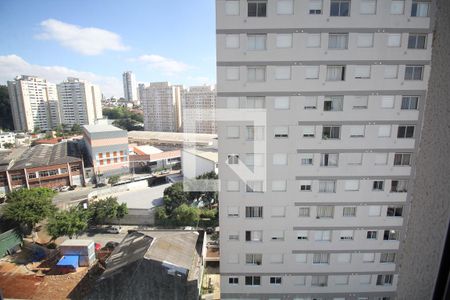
x=342, y=84
x=199, y=104
x=34, y=103
x=161, y=103
x=130, y=87
x=80, y=102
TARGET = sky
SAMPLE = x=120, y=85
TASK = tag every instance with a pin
x=97, y=40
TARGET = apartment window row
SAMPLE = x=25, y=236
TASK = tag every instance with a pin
x=47, y=173
x=333, y=73
x=336, y=41
x=337, y=8
x=329, y=103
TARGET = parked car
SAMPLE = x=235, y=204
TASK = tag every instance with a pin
x=101, y=184
x=64, y=188
x=113, y=229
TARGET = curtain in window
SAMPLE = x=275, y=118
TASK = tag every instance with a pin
x=334, y=73
x=394, y=39
x=338, y=41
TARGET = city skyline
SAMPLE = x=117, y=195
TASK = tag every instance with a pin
x=77, y=43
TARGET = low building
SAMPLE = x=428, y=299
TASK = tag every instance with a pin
x=153, y=157
x=153, y=265
x=107, y=149
x=196, y=162
x=49, y=166
x=172, y=139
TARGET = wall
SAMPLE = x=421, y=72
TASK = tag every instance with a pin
x=193, y=165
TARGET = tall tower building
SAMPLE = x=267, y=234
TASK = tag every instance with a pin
x=199, y=104
x=130, y=88
x=342, y=86
x=80, y=102
x=34, y=103
x=161, y=104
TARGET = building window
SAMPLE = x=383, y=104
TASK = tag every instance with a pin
x=233, y=132
x=282, y=72
x=409, y=102
x=357, y=131
x=405, y=131
x=281, y=132
x=232, y=41
x=378, y=185
x=280, y=159
x=254, y=159
x=420, y=9
x=232, y=73
x=305, y=185
x=368, y=258
x=368, y=7
x=255, y=133
x=399, y=186
x=307, y=159
x=253, y=236
x=329, y=159
x=233, y=159
x=394, y=40
x=365, y=279
x=349, y=211
x=279, y=186
x=285, y=7
x=303, y=212
x=256, y=74
x=310, y=102
x=253, y=259
x=319, y=280
x=397, y=7
x=284, y=40
x=364, y=40
x=308, y=131
x=340, y=8
x=233, y=280
x=362, y=72
x=254, y=186
x=255, y=102
x=387, y=257
x=338, y=41
x=327, y=186
x=257, y=8
x=233, y=186
x=322, y=235
x=302, y=234
x=100, y=155
x=385, y=279
x=390, y=71
x=346, y=235
x=333, y=103
x=278, y=211
x=232, y=8
x=344, y=258
x=413, y=72
x=253, y=280
x=275, y=280
x=340, y=280
x=331, y=132
x=233, y=211
x=281, y=103
x=253, y=211
x=374, y=211
x=387, y=101
x=402, y=159
x=360, y=102
x=315, y=7
x=384, y=131
x=276, y=258
x=394, y=211
x=233, y=236
x=335, y=73
x=321, y=258
x=256, y=41
x=417, y=41
x=30, y=176
x=312, y=72
x=277, y=235
x=372, y=234
x=390, y=235
x=325, y=211
x=313, y=40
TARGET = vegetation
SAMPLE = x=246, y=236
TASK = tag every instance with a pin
x=29, y=207
x=107, y=209
x=124, y=118
x=186, y=215
x=8, y=145
x=71, y=222
x=114, y=179
x=6, y=121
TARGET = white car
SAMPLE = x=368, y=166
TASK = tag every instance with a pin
x=113, y=229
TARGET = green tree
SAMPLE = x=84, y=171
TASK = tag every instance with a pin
x=107, y=209
x=71, y=222
x=122, y=211
x=114, y=179
x=6, y=121
x=8, y=145
x=29, y=207
x=186, y=215
x=161, y=216
x=76, y=128
x=36, y=130
x=174, y=196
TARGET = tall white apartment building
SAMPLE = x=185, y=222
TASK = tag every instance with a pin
x=199, y=104
x=34, y=103
x=161, y=103
x=130, y=87
x=79, y=101
x=342, y=84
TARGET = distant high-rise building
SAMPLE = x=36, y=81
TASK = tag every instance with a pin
x=161, y=104
x=199, y=104
x=79, y=101
x=34, y=103
x=130, y=89
x=317, y=154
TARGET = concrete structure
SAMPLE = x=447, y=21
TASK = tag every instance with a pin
x=49, y=166
x=7, y=138
x=130, y=88
x=79, y=102
x=153, y=157
x=172, y=139
x=320, y=209
x=196, y=162
x=107, y=148
x=152, y=265
x=161, y=103
x=199, y=104
x=34, y=103
x=84, y=249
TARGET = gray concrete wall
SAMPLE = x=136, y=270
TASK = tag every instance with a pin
x=430, y=200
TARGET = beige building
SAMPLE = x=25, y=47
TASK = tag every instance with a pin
x=321, y=209
x=161, y=103
x=199, y=104
x=79, y=101
x=34, y=103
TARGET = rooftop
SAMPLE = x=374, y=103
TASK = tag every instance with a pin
x=101, y=128
x=173, y=137
x=209, y=154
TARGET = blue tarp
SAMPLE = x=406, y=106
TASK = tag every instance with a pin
x=69, y=261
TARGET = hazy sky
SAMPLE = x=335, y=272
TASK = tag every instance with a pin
x=97, y=40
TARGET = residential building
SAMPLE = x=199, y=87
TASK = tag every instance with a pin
x=107, y=149
x=7, y=138
x=34, y=103
x=79, y=102
x=161, y=103
x=199, y=104
x=130, y=88
x=320, y=211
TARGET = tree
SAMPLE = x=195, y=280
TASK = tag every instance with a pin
x=29, y=207
x=76, y=128
x=8, y=145
x=107, y=209
x=114, y=179
x=6, y=120
x=186, y=215
x=174, y=196
x=71, y=222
